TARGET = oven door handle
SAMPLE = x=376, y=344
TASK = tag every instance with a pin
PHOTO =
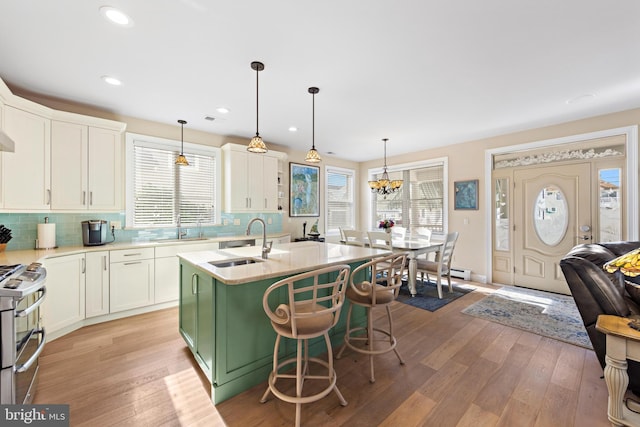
x=32, y=307
x=26, y=365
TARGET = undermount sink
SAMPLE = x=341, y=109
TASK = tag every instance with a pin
x=234, y=262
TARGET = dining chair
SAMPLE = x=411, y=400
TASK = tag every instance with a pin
x=371, y=293
x=442, y=266
x=354, y=237
x=379, y=240
x=343, y=239
x=399, y=232
x=423, y=233
x=311, y=307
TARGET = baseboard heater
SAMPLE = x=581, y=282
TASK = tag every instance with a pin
x=461, y=273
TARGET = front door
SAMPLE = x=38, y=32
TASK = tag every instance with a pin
x=552, y=214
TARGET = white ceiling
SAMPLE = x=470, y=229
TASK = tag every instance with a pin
x=423, y=73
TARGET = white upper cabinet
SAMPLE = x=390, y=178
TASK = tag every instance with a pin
x=250, y=180
x=26, y=179
x=69, y=143
x=86, y=167
x=62, y=161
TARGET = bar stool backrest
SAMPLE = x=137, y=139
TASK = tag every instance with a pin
x=313, y=300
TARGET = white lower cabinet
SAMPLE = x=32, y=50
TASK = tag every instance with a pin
x=131, y=279
x=64, y=303
x=167, y=268
x=97, y=284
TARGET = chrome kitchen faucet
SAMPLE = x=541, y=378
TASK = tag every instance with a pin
x=265, y=249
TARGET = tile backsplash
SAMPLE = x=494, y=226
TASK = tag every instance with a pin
x=23, y=228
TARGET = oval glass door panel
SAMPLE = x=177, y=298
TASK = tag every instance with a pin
x=551, y=218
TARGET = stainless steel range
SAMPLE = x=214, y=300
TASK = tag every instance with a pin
x=22, y=339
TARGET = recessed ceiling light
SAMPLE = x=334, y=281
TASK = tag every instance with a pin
x=581, y=98
x=116, y=16
x=111, y=80
x=222, y=110
x=293, y=129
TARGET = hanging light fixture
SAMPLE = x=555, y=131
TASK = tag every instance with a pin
x=312, y=155
x=384, y=185
x=181, y=159
x=257, y=144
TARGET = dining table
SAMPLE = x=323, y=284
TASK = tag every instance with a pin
x=414, y=247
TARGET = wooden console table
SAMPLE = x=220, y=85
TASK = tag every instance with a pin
x=623, y=343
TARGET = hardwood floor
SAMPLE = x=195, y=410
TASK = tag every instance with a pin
x=460, y=371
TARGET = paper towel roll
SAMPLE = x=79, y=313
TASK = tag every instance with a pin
x=46, y=236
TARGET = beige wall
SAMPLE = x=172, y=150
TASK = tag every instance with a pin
x=466, y=161
x=146, y=127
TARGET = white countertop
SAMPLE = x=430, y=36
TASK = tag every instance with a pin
x=28, y=256
x=284, y=260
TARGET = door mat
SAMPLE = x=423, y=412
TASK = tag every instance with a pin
x=543, y=313
x=427, y=294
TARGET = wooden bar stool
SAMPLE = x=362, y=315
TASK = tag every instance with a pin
x=380, y=290
x=311, y=307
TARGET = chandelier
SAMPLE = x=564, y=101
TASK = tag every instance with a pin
x=384, y=185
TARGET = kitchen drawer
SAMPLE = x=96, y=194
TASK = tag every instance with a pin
x=173, y=250
x=131, y=254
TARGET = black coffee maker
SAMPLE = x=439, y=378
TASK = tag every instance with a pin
x=94, y=232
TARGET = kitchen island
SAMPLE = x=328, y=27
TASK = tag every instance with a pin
x=221, y=315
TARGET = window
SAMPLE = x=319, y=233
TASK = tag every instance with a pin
x=340, y=206
x=159, y=193
x=421, y=200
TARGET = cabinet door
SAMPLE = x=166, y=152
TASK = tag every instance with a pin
x=197, y=316
x=68, y=165
x=237, y=182
x=188, y=305
x=206, y=325
x=270, y=183
x=97, y=284
x=65, y=301
x=26, y=177
x=167, y=277
x=131, y=284
x=1, y=127
x=255, y=189
x=105, y=169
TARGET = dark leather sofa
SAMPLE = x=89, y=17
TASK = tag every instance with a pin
x=597, y=292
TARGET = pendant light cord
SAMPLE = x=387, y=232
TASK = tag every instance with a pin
x=257, y=99
x=313, y=121
x=385, y=154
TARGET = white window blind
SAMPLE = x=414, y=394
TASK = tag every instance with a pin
x=340, y=200
x=418, y=203
x=162, y=190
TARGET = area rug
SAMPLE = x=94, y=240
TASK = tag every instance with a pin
x=544, y=313
x=427, y=294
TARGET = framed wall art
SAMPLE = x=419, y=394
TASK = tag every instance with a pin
x=466, y=194
x=304, y=191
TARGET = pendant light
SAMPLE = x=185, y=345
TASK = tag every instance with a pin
x=312, y=155
x=257, y=144
x=384, y=185
x=181, y=159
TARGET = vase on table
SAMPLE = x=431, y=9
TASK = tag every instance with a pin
x=387, y=230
